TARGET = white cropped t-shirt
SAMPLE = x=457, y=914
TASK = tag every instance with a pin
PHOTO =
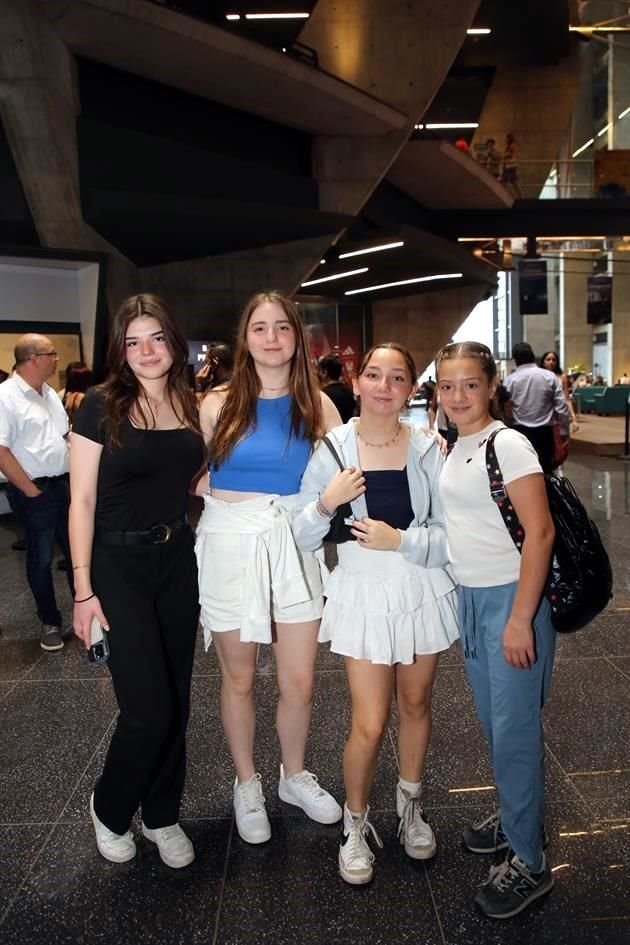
x=481, y=550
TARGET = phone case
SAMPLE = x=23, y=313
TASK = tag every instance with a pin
x=99, y=647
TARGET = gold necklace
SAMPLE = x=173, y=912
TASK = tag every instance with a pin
x=285, y=387
x=380, y=446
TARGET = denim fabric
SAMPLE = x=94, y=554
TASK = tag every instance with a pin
x=509, y=704
x=45, y=520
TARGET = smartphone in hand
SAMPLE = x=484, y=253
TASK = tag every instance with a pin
x=99, y=647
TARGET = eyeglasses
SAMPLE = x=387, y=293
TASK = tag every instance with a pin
x=46, y=354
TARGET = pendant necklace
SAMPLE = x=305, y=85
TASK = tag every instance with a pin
x=380, y=446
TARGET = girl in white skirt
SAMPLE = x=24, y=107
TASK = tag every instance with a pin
x=391, y=605
x=254, y=585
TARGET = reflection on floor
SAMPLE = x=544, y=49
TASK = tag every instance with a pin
x=57, y=713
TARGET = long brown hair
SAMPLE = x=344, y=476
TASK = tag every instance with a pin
x=122, y=388
x=238, y=413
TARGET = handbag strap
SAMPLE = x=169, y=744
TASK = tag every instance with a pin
x=499, y=495
x=334, y=452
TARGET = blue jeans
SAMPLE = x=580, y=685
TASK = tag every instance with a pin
x=509, y=704
x=44, y=519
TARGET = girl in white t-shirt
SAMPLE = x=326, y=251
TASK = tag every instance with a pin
x=505, y=622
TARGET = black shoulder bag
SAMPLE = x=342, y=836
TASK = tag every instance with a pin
x=339, y=532
x=579, y=585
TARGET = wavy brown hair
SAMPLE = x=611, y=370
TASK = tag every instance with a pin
x=476, y=351
x=122, y=388
x=392, y=346
x=238, y=413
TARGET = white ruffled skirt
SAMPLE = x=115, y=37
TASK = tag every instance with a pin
x=382, y=608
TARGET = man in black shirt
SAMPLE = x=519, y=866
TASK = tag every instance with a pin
x=330, y=368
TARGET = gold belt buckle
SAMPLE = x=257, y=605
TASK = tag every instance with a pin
x=165, y=533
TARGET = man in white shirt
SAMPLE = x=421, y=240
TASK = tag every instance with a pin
x=537, y=402
x=34, y=460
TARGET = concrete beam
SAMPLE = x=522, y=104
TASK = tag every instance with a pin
x=38, y=108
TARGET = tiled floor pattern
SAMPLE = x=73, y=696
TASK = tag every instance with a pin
x=56, y=715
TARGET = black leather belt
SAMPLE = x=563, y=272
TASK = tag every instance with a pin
x=42, y=481
x=158, y=535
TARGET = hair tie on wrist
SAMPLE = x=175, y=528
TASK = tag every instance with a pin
x=83, y=599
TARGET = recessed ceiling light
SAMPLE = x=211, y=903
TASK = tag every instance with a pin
x=371, y=249
x=391, y=285
x=339, y=275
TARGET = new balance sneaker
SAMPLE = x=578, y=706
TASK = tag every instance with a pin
x=303, y=790
x=415, y=833
x=115, y=847
x=487, y=836
x=511, y=887
x=50, y=639
x=252, y=822
x=173, y=845
x=356, y=860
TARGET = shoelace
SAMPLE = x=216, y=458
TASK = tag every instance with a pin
x=308, y=781
x=252, y=792
x=490, y=822
x=503, y=875
x=169, y=833
x=412, y=820
x=358, y=846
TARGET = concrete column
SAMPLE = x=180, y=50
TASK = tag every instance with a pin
x=38, y=107
x=619, y=336
x=618, y=95
x=423, y=323
x=576, y=335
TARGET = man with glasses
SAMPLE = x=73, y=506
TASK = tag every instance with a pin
x=34, y=460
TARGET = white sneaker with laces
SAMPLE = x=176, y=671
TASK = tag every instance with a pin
x=252, y=822
x=115, y=847
x=415, y=833
x=356, y=860
x=303, y=790
x=173, y=845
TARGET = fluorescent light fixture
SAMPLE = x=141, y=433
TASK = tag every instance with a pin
x=418, y=127
x=599, y=29
x=604, y=129
x=391, y=285
x=624, y=113
x=568, y=239
x=339, y=275
x=371, y=249
x=478, y=31
x=584, y=147
x=277, y=16
x=232, y=16
x=440, y=125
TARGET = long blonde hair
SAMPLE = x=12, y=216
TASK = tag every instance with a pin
x=238, y=413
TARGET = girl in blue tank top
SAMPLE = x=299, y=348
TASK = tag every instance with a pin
x=254, y=585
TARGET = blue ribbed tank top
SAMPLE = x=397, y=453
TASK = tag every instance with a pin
x=269, y=458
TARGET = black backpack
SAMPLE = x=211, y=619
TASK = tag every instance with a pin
x=580, y=580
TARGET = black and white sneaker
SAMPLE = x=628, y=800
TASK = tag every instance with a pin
x=511, y=887
x=487, y=836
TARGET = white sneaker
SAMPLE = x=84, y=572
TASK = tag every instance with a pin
x=356, y=860
x=252, y=822
x=115, y=847
x=173, y=845
x=415, y=833
x=303, y=790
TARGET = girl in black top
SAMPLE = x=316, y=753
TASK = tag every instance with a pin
x=135, y=448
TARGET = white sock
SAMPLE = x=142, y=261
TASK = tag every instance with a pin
x=350, y=815
x=411, y=787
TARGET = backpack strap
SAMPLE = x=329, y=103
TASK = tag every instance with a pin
x=499, y=494
x=334, y=452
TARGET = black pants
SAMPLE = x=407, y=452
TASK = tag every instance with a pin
x=45, y=520
x=150, y=598
x=541, y=439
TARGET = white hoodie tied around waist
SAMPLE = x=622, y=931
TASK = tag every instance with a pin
x=273, y=561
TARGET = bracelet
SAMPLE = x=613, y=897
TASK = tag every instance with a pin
x=83, y=599
x=323, y=511
x=77, y=567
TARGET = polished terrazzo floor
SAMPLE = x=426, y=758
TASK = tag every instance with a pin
x=56, y=715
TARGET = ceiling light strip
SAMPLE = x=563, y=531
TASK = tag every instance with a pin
x=452, y=125
x=584, y=147
x=371, y=249
x=277, y=16
x=339, y=275
x=391, y=285
x=479, y=31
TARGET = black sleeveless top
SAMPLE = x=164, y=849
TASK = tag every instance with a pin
x=388, y=498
